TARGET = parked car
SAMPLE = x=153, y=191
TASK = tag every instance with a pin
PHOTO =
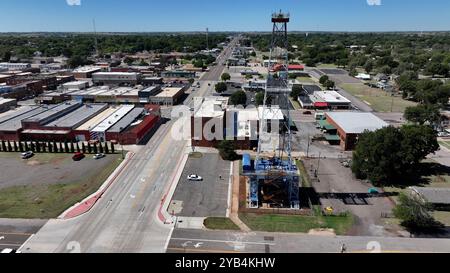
x=99, y=156
x=9, y=251
x=194, y=177
x=78, y=156
x=27, y=155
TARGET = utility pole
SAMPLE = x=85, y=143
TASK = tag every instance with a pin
x=307, y=150
x=318, y=163
x=207, y=39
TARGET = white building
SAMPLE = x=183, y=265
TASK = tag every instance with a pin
x=116, y=78
x=15, y=66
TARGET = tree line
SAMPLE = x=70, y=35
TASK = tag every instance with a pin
x=57, y=147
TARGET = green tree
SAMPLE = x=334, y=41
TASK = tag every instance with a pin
x=324, y=79
x=259, y=99
x=225, y=77
x=329, y=84
x=368, y=67
x=389, y=153
x=227, y=150
x=415, y=214
x=238, y=98
x=191, y=80
x=199, y=63
x=423, y=113
x=221, y=87
x=296, y=92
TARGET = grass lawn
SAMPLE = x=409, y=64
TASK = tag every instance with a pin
x=195, y=155
x=305, y=80
x=220, y=223
x=49, y=201
x=296, y=223
x=295, y=104
x=304, y=174
x=376, y=98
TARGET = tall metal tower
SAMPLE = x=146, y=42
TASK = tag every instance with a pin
x=280, y=167
x=95, y=38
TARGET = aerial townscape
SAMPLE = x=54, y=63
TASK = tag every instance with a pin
x=274, y=140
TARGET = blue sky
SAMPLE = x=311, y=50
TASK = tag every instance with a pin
x=222, y=15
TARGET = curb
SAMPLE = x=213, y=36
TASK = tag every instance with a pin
x=163, y=215
x=88, y=203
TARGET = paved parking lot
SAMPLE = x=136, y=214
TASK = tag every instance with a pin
x=208, y=197
x=306, y=128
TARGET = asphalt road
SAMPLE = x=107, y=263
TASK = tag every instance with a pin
x=14, y=232
x=125, y=218
x=194, y=241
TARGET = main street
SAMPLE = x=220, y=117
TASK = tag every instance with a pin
x=195, y=241
x=125, y=218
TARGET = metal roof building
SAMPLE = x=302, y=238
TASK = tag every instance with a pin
x=103, y=126
x=79, y=116
x=52, y=113
x=356, y=122
x=127, y=120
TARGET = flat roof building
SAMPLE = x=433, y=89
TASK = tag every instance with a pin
x=99, y=132
x=15, y=66
x=86, y=72
x=330, y=100
x=168, y=96
x=116, y=78
x=350, y=125
x=7, y=104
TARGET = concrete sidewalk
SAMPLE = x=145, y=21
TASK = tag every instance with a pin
x=234, y=213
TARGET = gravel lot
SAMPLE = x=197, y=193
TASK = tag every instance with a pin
x=46, y=169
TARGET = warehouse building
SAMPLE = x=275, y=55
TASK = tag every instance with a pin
x=61, y=129
x=7, y=104
x=15, y=66
x=169, y=96
x=133, y=128
x=116, y=78
x=99, y=131
x=175, y=74
x=11, y=121
x=85, y=72
x=144, y=95
x=74, y=121
x=75, y=85
x=348, y=126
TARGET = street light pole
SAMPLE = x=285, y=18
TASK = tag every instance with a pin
x=307, y=150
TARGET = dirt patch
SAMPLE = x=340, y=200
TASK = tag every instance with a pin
x=322, y=232
x=33, y=163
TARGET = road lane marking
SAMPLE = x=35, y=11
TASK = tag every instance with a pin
x=222, y=241
x=13, y=233
x=203, y=250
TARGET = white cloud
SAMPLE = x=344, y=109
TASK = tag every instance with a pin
x=374, y=2
x=73, y=2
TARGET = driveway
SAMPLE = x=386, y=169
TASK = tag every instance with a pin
x=337, y=188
